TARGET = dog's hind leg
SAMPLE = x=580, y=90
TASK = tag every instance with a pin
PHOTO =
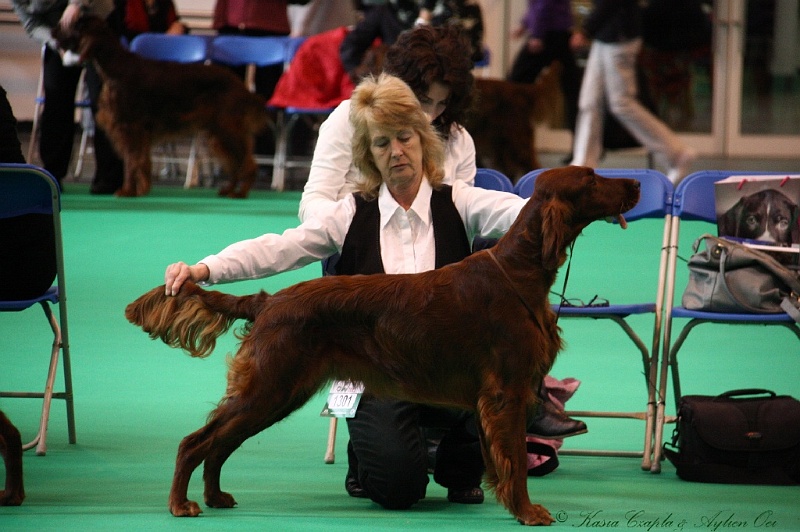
x=235, y=150
x=230, y=425
x=502, y=418
x=256, y=399
x=238, y=422
x=138, y=166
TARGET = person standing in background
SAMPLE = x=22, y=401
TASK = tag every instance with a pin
x=256, y=18
x=547, y=29
x=143, y=16
x=616, y=28
x=61, y=77
x=464, y=13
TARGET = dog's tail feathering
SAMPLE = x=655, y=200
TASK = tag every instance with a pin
x=193, y=319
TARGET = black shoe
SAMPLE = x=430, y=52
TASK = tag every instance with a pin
x=467, y=496
x=353, y=488
x=550, y=423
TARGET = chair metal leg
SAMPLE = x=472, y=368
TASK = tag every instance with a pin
x=40, y=441
x=192, y=178
x=650, y=365
x=83, y=148
x=281, y=151
x=60, y=347
x=329, y=452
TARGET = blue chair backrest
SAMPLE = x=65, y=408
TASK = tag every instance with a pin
x=524, y=185
x=694, y=197
x=237, y=50
x=26, y=189
x=485, y=59
x=178, y=48
x=491, y=179
x=292, y=45
x=657, y=190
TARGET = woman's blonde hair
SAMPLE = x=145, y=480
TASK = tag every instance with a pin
x=388, y=102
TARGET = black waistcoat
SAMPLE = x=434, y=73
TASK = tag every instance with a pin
x=361, y=251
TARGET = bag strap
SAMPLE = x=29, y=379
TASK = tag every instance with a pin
x=746, y=391
x=791, y=306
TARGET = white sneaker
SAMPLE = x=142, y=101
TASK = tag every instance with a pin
x=680, y=168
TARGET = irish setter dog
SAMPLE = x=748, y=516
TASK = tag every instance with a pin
x=145, y=101
x=11, y=449
x=478, y=334
x=505, y=114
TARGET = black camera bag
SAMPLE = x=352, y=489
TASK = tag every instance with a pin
x=749, y=436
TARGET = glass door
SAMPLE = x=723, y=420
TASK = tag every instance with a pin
x=762, y=89
x=727, y=80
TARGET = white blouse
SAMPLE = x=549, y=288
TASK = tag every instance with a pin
x=407, y=243
x=333, y=175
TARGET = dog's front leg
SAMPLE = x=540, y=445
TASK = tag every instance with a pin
x=502, y=418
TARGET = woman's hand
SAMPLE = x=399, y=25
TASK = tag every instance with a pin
x=69, y=16
x=178, y=273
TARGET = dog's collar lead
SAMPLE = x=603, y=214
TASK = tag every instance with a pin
x=514, y=288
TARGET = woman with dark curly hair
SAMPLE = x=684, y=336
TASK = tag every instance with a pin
x=435, y=63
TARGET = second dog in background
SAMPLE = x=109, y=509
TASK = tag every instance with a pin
x=145, y=101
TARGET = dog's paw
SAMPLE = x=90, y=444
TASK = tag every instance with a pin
x=220, y=500
x=125, y=192
x=536, y=515
x=185, y=509
x=11, y=498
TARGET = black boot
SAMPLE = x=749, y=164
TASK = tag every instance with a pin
x=351, y=483
x=551, y=423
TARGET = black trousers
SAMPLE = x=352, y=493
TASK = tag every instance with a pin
x=527, y=66
x=57, y=130
x=389, y=453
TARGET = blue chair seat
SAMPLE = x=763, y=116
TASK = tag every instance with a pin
x=51, y=296
x=603, y=312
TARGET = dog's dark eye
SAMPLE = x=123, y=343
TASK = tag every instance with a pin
x=751, y=221
x=782, y=224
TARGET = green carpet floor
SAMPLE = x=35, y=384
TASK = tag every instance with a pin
x=136, y=398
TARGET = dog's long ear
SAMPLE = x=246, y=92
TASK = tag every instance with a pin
x=555, y=216
x=728, y=223
x=794, y=227
x=184, y=320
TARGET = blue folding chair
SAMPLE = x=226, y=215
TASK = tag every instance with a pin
x=250, y=52
x=655, y=204
x=179, y=49
x=289, y=117
x=30, y=190
x=694, y=200
x=256, y=52
x=493, y=180
x=524, y=185
x=166, y=47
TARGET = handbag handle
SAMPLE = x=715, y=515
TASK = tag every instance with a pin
x=746, y=391
x=723, y=260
